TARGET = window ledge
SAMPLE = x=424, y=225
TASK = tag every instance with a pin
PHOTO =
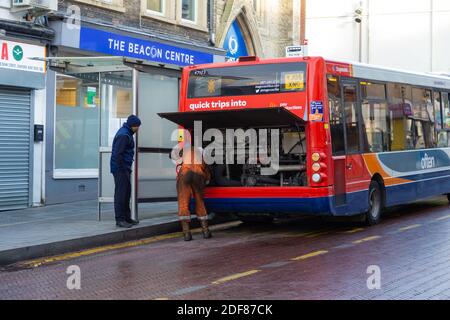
x=104, y=5
x=149, y=15
x=192, y=25
x=59, y=174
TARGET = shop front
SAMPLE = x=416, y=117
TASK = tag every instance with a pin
x=108, y=77
x=21, y=82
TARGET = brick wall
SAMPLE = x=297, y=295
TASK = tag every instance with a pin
x=132, y=18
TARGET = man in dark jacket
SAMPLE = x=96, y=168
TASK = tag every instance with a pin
x=122, y=158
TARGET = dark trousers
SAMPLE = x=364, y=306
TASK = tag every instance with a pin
x=122, y=195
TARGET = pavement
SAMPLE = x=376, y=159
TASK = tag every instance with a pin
x=406, y=256
x=55, y=229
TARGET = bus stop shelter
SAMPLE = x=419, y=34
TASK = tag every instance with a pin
x=122, y=86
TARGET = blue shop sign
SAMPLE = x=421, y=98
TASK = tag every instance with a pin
x=119, y=45
x=235, y=43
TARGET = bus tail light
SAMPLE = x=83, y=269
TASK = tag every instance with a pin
x=316, y=167
x=315, y=157
x=316, y=178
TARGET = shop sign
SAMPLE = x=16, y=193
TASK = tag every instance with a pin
x=120, y=45
x=235, y=43
x=19, y=56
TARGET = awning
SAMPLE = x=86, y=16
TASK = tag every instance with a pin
x=243, y=118
x=101, y=64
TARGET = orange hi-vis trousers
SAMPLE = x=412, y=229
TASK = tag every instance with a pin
x=191, y=182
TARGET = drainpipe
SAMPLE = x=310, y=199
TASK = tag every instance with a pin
x=211, y=24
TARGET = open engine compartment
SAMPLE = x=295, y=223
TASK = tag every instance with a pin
x=288, y=170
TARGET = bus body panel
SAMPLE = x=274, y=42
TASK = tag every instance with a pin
x=429, y=177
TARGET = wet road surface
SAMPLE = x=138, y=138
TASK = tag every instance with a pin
x=302, y=259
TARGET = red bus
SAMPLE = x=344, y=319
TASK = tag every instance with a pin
x=353, y=138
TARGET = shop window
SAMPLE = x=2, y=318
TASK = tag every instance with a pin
x=76, y=123
x=189, y=10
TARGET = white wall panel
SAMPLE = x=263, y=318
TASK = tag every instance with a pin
x=441, y=42
x=399, y=41
x=398, y=6
x=327, y=8
x=333, y=38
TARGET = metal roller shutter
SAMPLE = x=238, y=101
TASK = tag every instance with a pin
x=15, y=127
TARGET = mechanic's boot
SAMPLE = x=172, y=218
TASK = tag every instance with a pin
x=205, y=230
x=186, y=230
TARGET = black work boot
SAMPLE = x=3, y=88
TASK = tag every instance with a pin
x=132, y=222
x=205, y=230
x=186, y=230
x=123, y=224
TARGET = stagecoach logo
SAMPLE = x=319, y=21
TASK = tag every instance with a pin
x=427, y=162
x=341, y=69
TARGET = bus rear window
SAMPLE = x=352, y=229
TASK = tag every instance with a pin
x=247, y=80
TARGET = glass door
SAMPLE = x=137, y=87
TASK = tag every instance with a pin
x=158, y=91
x=116, y=92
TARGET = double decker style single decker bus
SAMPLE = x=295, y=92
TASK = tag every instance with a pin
x=343, y=139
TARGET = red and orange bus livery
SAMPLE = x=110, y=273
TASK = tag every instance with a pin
x=354, y=138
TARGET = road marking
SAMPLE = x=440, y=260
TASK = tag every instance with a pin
x=235, y=276
x=443, y=218
x=366, y=239
x=73, y=255
x=310, y=255
x=409, y=227
x=164, y=298
x=355, y=230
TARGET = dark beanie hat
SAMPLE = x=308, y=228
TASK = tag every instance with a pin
x=133, y=121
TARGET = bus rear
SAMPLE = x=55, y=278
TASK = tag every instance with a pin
x=263, y=128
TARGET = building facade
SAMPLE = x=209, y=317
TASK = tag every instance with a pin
x=256, y=27
x=77, y=114
x=23, y=39
x=170, y=33
x=403, y=34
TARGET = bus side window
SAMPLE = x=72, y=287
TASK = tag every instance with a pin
x=375, y=116
x=423, y=109
x=444, y=133
x=397, y=117
x=336, y=116
x=446, y=111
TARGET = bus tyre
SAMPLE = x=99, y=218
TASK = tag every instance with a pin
x=373, y=215
x=448, y=197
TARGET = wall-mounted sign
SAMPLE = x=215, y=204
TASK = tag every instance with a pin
x=119, y=45
x=17, y=56
x=296, y=51
x=235, y=43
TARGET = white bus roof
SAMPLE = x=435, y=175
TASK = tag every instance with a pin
x=379, y=73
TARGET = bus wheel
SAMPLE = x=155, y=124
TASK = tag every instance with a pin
x=448, y=197
x=373, y=215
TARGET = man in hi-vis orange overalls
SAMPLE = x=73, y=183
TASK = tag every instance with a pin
x=192, y=178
